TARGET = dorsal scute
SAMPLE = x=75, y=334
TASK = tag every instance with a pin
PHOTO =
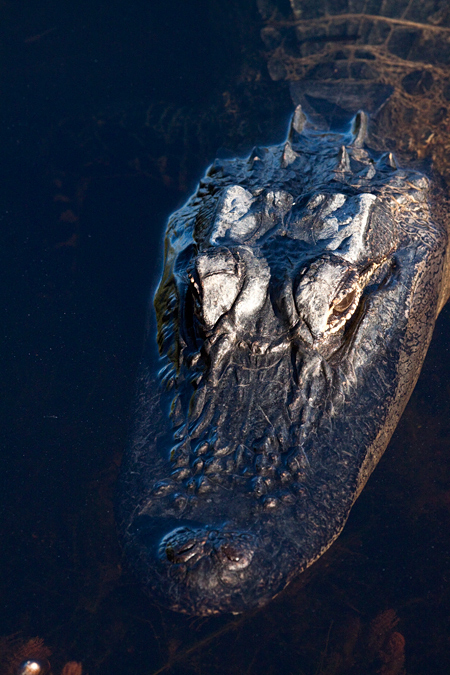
x=387, y=160
x=343, y=160
x=298, y=123
x=359, y=129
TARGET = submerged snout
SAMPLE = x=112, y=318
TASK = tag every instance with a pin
x=213, y=565
x=203, y=570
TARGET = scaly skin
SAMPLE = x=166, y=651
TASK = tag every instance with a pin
x=298, y=297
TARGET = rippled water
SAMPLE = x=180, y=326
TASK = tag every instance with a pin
x=111, y=112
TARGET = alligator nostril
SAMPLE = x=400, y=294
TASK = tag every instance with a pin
x=224, y=550
x=234, y=558
x=182, y=553
x=182, y=545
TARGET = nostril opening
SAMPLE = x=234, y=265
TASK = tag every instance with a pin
x=182, y=553
x=234, y=558
x=170, y=554
x=181, y=545
x=231, y=554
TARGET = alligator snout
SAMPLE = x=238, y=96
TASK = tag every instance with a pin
x=232, y=551
x=206, y=569
x=210, y=561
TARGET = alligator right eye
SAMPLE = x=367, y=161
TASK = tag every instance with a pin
x=345, y=303
x=343, y=308
x=220, y=281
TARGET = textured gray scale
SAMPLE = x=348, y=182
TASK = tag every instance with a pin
x=298, y=297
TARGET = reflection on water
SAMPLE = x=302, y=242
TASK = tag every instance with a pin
x=112, y=114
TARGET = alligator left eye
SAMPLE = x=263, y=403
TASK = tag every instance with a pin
x=345, y=303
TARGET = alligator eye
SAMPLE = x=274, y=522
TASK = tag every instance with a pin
x=343, y=309
x=345, y=303
x=220, y=279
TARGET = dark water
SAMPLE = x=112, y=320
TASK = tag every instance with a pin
x=110, y=113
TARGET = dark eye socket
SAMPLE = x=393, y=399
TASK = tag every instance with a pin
x=345, y=303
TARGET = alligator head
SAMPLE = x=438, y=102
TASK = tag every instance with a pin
x=298, y=297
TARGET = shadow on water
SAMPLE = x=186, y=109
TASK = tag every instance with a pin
x=107, y=127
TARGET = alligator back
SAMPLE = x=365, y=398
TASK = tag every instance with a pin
x=392, y=58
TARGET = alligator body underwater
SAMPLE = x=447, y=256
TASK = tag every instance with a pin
x=298, y=298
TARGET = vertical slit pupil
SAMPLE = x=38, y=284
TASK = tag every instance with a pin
x=345, y=302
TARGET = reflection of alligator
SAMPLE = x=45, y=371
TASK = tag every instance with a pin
x=298, y=298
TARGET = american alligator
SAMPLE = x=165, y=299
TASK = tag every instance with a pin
x=299, y=292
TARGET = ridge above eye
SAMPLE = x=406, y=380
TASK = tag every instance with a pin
x=216, y=261
x=219, y=276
